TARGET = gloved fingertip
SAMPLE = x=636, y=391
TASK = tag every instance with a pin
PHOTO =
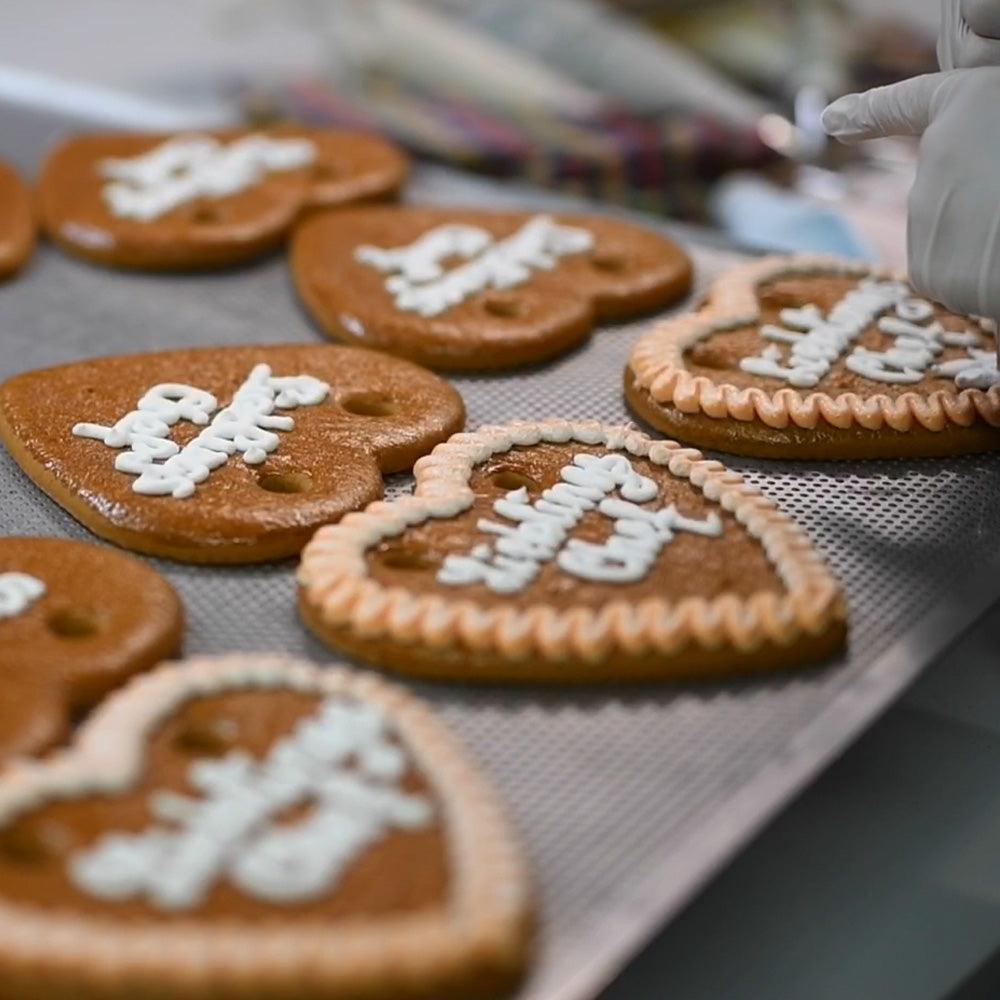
x=839, y=118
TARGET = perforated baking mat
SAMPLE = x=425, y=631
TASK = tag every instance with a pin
x=628, y=799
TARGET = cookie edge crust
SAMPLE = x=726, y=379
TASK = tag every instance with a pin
x=657, y=364
x=337, y=596
x=483, y=934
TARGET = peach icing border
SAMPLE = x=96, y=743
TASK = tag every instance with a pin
x=334, y=574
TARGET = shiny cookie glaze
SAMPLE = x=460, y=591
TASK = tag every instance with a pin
x=628, y=270
x=381, y=414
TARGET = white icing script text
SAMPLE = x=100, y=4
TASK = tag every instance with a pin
x=340, y=763
x=247, y=426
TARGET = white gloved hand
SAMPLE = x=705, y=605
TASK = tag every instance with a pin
x=954, y=208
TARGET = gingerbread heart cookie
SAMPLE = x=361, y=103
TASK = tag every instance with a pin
x=254, y=827
x=204, y=200
x=815, y=357
x=17, y=222
x=75, y=621
x=465, y=289
x=222, y=455
x=571, y=552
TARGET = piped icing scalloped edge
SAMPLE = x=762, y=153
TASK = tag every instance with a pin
x=336, y=583
x=489, y=893
x=657, y=362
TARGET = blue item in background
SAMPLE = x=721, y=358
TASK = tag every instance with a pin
x=762, y=216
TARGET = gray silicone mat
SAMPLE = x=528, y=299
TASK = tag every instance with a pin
x=628, y=799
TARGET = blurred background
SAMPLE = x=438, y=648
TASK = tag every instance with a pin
x=706, y=111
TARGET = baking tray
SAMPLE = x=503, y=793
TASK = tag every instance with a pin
x=628, y=799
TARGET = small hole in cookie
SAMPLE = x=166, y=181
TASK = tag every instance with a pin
x=207, y=739
x=73, y=623
x=22, y=847
x=285, y=482
x=407, y=557
x=204, y=215
x=609, y=261
x=511, y=479
x=369, y=404
x=325, y=172
x=79, y=712
x=710, y=357
x=501, y=307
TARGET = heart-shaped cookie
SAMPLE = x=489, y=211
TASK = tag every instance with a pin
x=233, y=454
x=75, y=621
x=253, y=827
x=17, y=222
x=204, y=200
x=571, y=552
x=815, y=357
x=464, y=289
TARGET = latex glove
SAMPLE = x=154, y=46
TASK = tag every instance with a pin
x=953, y=238
x=970, y=34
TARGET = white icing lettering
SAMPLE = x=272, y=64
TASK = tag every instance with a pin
x=825, y=339
x=188, y=167
x=419, y=283
x=639, y=537
x=977, y=371
x=816, y=342
x=246, y=426
x=541, y=530
x=340, y=767
x=18, y=591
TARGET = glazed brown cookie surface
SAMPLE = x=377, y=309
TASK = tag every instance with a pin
x=17, y=222
x=276, y=830
x=75, y=621
x=272, y=442
x=466, y=289
x=229, y=211
x=571, y=552
x=809, y=357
